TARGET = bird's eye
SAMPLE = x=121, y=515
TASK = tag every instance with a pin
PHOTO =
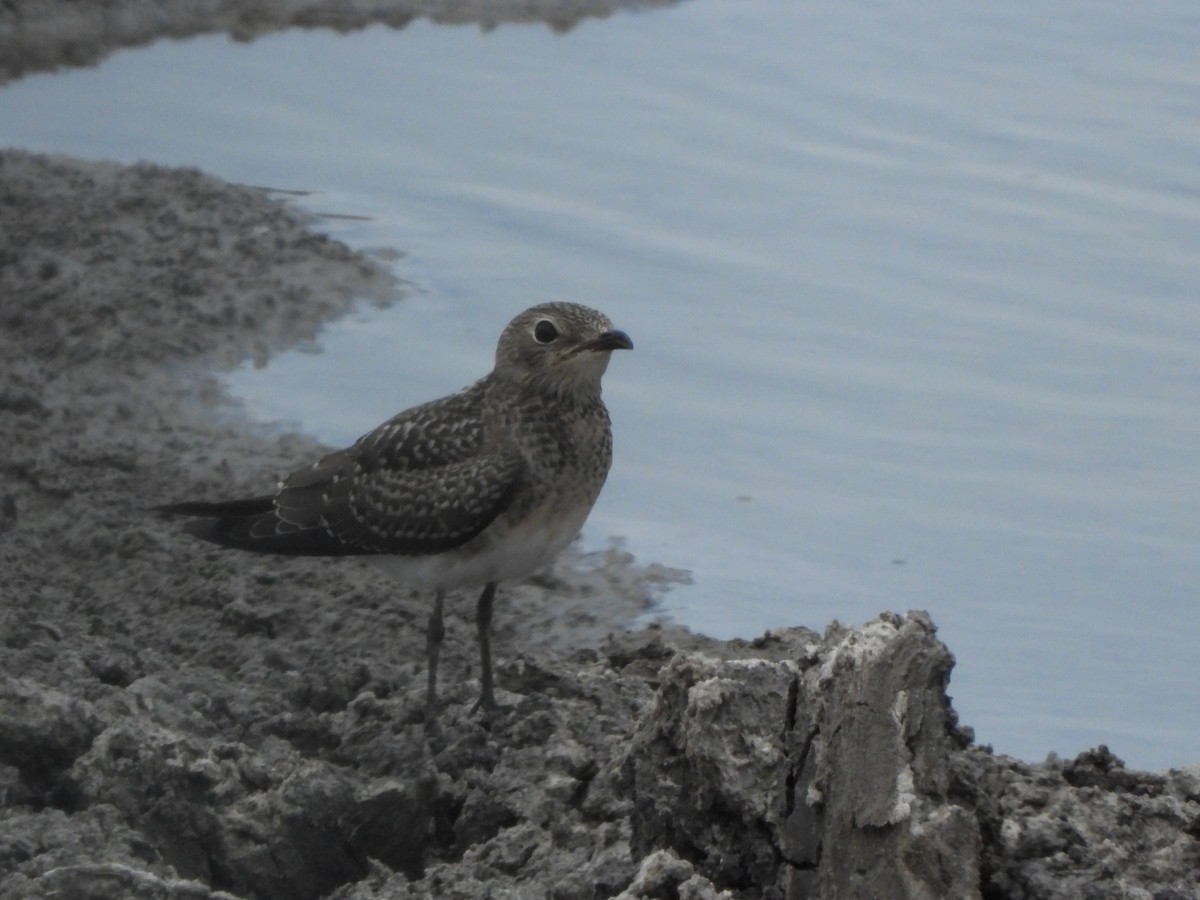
x=544, y=331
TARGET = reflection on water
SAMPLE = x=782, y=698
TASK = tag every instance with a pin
x=913, y=293
x=46, y=39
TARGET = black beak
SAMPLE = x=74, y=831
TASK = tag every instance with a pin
x=610, y=340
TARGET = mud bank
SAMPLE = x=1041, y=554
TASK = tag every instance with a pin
x=43, y=35
x=177, y=721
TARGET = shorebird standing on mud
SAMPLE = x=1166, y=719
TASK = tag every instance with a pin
x=482, y=486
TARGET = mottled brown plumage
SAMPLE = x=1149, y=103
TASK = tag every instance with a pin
x=484, y=485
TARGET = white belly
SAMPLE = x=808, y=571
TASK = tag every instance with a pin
x=501, y=553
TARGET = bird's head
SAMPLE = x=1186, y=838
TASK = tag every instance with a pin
x=562, y=346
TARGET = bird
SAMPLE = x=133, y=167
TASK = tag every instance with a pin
x=482, y=486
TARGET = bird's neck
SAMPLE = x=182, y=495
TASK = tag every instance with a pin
x=579, y=388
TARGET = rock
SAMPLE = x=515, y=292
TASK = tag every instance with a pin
x=42, y=733
x=707, y=767
x=113, y=881
x=871, y=746
x=1084, y=829
x=664, y=874
x=822, y=775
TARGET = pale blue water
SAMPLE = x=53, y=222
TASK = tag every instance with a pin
x=915, y=290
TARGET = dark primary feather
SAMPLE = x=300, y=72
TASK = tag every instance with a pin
x=226, y=509
x=422, y=482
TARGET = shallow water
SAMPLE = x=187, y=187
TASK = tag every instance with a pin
x=914, y=291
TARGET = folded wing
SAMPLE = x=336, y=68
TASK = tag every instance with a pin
x=424, y=482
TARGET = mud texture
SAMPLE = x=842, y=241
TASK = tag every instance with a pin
x=178, y=721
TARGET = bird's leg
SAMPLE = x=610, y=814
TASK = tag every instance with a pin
x=433, y=648
x=483, y=624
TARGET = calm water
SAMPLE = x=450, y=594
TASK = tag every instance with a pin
x=915, y=291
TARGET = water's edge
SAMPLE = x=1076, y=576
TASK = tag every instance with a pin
x=181, y=720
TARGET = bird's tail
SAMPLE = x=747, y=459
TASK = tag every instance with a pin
x=254, y=524
x=225, y=522
x=224, y=509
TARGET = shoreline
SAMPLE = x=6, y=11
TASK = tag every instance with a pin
x=45, y=35
x=176, y=721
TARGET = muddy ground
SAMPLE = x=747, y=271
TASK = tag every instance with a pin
x=180, y=721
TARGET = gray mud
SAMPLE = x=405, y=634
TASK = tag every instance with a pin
x=178, y=721
x=43, y=35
